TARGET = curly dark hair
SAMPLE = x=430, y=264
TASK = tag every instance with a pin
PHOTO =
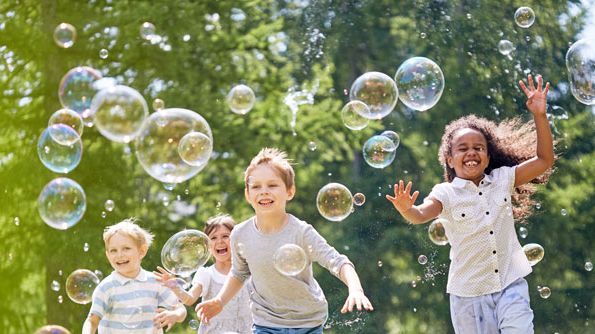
x=509, y=143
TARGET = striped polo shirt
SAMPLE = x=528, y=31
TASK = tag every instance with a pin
x=128, y=305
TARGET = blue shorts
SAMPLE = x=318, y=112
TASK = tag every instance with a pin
x=504, y=312
x=279, y=330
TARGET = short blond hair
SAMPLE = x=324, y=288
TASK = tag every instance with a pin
x=128, y=227
x=275, y=158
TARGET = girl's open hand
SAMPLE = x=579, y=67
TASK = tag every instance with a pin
x=402, y=200
x=536, y=95
x=358, y=300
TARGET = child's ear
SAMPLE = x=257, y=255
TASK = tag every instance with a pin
x=246, y=195
x=449, y=161
x=291, y=193
x=143, y=250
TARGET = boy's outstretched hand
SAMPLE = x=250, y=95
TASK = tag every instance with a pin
x=166, y=278
x=206, y=310
x=358, y=300
x=165, y=318
x=403, y=201
x=536, y=95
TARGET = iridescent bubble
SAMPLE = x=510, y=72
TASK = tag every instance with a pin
x=61, y=203
x=70, y=118
x=563, y=212
x=312, y=146
x=55, y=286
x=437, y=233
x=158, y=141
x=352, y=115
x=378, y=91
x=103, y=53
x=545, y=292
x=109, y=205
x=185, y=252
x=194, y=324
x=379, y=151
x=534, y=253
x=80, y=285
x=580, y=63
x=147, y=31
x=396, y=139
x=77, y=88
x=158, y=104
x=52, y=329
x=524, y=17
x=17, y=221
x=422, y=259
x=334, y=202
x=56, y=156
x=359, y=199
x=505, y=47
x=420, y=82
x=380, y=264
x=240, y=99
x=86, y=247
x=290, y=259
x=119, y=113
x=523, y=232
x=195, y=148
x=588, y=266
x=65, y=35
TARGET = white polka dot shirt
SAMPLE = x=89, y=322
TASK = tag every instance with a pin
x=485, y=253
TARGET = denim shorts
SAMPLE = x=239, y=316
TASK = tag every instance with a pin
x=279, y=330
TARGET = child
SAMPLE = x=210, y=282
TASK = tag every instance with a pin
x=287, y=304
x=130, y=300
x=484, y=163
x=207, y=282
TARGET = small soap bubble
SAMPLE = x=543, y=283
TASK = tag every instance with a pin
x=538, y=206
x=380, y=264
x=563, y=212
x=65, y=35
x=378, y=91
x=86, y=247
x=413, y=283
x=422, y=259
x=80, y=285
x=588, y=266
x=523, y=232
x=524, y=17
x=240, y=99
x=312, y=146
x=109, y=205
x=147, y=31
x=379, y=151
x=103, y=214
x=195, y=148
x=70, y=118
x=545, y=292
x=55, y=286
x=103, y=53
x=193, y=324
x=423, y=35
x=334, y=202
x=185, y=252
x=396, y=139
x=534, y=253
x=158, y=104
x=353, y=115
x=60, y=299
x=290, y=259
x=99, y=274
x=505, y=47
x=60, y=148
x=77, y=88
x=61, y=203
x=437, y=233
x=359, y=199
x=17, y=221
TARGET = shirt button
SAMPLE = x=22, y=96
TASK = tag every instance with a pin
x=496, y=271
x=487, y=213
x=480, y=193
x=491, y=232
x=462, y=215
x=493, y=252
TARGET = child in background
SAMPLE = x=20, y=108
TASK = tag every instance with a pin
x=280, y=303
x=483, y=165
x=130, y=300
x=207, y=282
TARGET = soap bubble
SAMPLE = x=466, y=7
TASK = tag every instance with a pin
x=379, y=151
x=437, y=233
x=194, y=324
x=334, y=202
x=65, y=35
x=147, y=31
x=505, y=47
x=70, y=118
x=312, y=146
x=544, y=292
x=61, y=203
x=534, y=253
x=158, y=104
x=290, y=259
x=77, y=88
x=52, y=329
x=109, y=205
x=60, y=148
x=524, y=17
x=195, y=148
x=240, y=99
x=352, y=115
x=580, y=63
x=588, y=266
x=103, y=53
x=185, y=252
x=422, y=259
x=55, y=286
x=80, y=285
x=378, y=91
x=392, y=136
x=359, y=199
x=158, y=141
x=523, y=232
x=420, y=82
x=119, y=113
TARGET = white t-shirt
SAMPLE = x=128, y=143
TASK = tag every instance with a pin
x=485, y=253
x=236, y=316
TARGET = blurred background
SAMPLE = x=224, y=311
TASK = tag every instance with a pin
x=300, y=58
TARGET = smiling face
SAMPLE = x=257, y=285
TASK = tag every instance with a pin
x=469, y=155
x=219, y=244
x=266, y=191
x=125, y=255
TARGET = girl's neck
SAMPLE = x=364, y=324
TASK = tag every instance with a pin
x=223, y=266
x=270, y=223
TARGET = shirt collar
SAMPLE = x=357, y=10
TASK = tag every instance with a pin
x=141, y=277
x=461, y=183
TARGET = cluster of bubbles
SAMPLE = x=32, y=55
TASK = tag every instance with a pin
x=185, y=252
x=534, y=253
x=379, y=151
x=334, y=202
x=580, y=63
x=290, y=259
x=65, y=35
x=61, y=203
x=80, y=285
x=437, y=233
x=240, y=99
x=524, y=17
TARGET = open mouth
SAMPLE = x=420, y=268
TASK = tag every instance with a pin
x=121, y=263
x=471, y=163
x=221, y=251
x=265, y=202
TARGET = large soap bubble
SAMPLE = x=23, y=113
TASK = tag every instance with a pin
x=65, y=35
x=60, y=148
x=158, y=141
x=80, y=285
x=524, y=17
x=290, y=259
x=185, y=252
x=195, y=148
x=437, y=233
x=77, y=88
x=420, y=82
x=580, y=63
x=352, y=115
x=52, y=329
x=240, y=99
x=62, y=203
x=68, y=117
x=534, y=253
x=379, y=151
x=334, y=202
x=119, y=113
x=378, y=91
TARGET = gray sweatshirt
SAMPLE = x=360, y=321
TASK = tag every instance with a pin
x=279, y=300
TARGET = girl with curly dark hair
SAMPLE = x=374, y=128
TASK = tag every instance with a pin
x=487, y=168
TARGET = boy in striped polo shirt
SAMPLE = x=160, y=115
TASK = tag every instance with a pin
x=130, y=300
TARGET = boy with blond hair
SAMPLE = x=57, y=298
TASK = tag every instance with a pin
x=130, y=299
